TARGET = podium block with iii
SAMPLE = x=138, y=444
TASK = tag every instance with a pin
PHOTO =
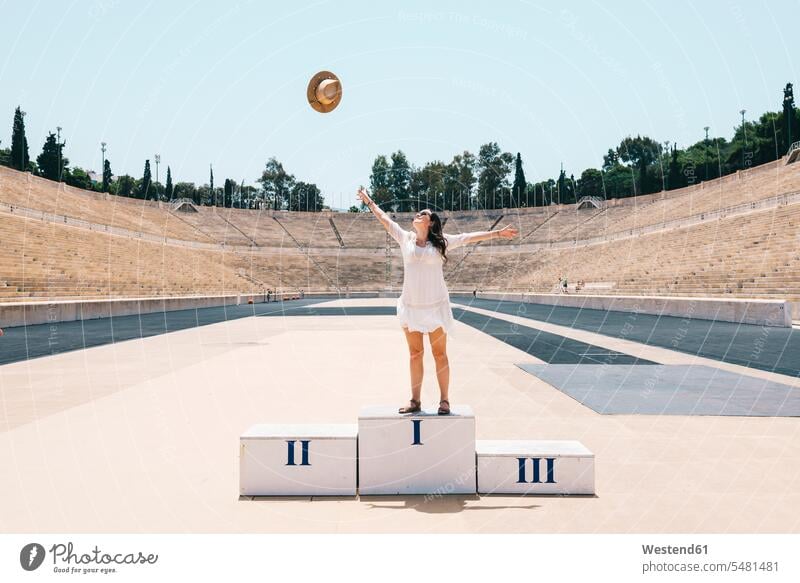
x=418, y=453
x=298, y=460
x=534, y=467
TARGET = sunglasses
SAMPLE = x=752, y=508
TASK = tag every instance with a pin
x=421, y=213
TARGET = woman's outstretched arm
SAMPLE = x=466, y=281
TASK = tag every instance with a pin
x=392, y=227
x=507, y=232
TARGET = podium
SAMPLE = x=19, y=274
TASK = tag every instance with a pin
x=416, y=453
x=298, y=460
x=534, y=467
x=388, y=453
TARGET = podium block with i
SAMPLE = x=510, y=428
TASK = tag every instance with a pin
x=298, y=460
x=416, y=453
x=534, y=467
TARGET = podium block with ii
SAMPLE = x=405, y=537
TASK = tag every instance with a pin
x=417, y=453
x=298, y=460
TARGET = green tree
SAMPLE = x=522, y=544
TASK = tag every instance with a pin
x=610, y=159
x=19, y=143
x=591, y=183
x=306, y=197
x=143, y=190
x=544, y=192
x=169, y=190
x=50, y=158
x=248, y=196
x=417, y=189
x=185, y=190
x=204, y=195
x=619, y=181
x=675, y=178
x=276, y=184
x=640, y=152
x=77, y=177
x=228, y=190
x=107, y=175
x=464, y=166
x=751, y=145
x=124, y=186
x=790, y=129
x=565, y=188
x=213, y=193
x=5, y=156
x=520, y=184
x=399, y=179
x=494, y=167
x=379, y=182
x=431, y=187
x=768, y=133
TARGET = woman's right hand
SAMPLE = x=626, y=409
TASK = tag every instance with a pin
x=362, y=194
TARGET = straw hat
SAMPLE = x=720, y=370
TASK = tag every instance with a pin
x=324, y=91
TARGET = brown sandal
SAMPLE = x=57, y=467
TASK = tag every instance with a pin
x=415, y=406
x=444, y=410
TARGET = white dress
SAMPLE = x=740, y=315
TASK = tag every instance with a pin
x=424, y=304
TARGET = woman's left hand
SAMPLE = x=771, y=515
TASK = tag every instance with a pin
x=508, y=232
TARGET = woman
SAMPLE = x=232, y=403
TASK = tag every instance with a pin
x=424, y=304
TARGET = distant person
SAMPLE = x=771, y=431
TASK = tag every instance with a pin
x=1, y=332
x=269, y=295
x=424, y=304
x=475, y=293
x=564, y=285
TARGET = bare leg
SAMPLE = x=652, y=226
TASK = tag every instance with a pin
x=438, y=340
x=416, y=351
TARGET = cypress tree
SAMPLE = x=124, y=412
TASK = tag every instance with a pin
x=561, y=187
x=211, y=185
x=169, y=190
x=788, y=117
x=106, y=175
x=147, y=180
x=19, y=143
x=518, y=190
x=228, y=193
x=674, y=176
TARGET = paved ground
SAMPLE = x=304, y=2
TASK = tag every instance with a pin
x=142, y=435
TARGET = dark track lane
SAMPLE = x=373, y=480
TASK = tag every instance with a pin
x=763, y=347
x=26, y=342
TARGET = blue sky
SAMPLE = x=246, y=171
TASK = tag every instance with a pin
x=224, y=82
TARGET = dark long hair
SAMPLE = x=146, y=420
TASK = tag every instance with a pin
x=436, y=236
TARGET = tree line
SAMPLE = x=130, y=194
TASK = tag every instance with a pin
x=638, y=165
x=277, y=188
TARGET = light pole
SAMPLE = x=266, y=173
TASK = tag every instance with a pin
x=103, y=167
x=158, y=161
x=58, y=143
x=705, y=157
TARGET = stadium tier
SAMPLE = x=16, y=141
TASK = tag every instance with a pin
x=754, y=255
x=737, y=235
